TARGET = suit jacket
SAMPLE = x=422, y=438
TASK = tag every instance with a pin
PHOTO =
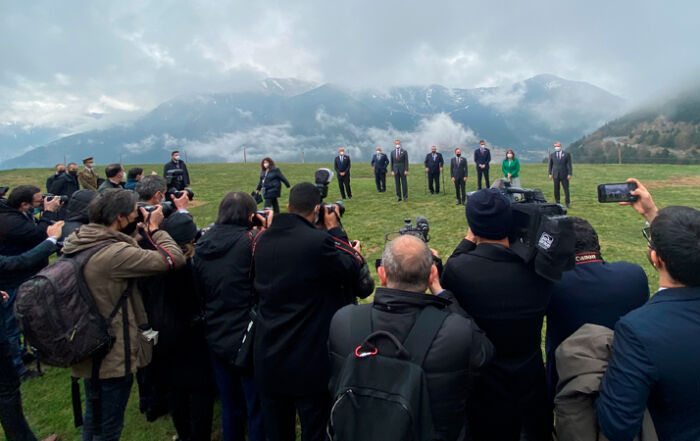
x=88, y=179
x=482, y=158
x=399, y=165
x=434, y=165
x=379, y=162
x=302, y=275
x=508, y=301
x=170, y=165
x=560, y=168
x=655, y=363
x=344, y=167
x=458, y=170
x=64, y=185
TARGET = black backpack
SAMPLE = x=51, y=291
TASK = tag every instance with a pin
x=382, y=396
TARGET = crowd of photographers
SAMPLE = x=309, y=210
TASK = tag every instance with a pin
x=260, y=309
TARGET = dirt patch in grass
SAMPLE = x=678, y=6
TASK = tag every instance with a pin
x=675, y=181
x=196, y=203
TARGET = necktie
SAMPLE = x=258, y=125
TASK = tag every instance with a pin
x=434, y=156
x=341, y=160
x=397, y=153
x=558, y=155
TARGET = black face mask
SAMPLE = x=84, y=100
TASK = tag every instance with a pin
x=459, y=154
x=130, y=228
x=73, y=173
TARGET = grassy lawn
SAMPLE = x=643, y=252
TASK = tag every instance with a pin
x=368, y=217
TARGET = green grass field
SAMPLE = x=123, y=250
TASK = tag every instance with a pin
x=368, y=217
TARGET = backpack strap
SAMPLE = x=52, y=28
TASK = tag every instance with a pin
x=360, y=323
x=423, y=333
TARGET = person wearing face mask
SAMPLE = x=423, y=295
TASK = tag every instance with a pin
x=88, y=176
x=379, y=164
x=271, y=179
x=66, y=185
x=342, y=169
x=109, y=274
x=433, y=167
x=399, y=170
x=459, y=174
x=20, y=232
x=511, y=168
x=176, y=163
x=560, y=172
x=60, y=169
x=482, y=159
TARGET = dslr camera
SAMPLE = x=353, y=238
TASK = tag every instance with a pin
x=168, y=209
x=175, y=186
x=62, y=198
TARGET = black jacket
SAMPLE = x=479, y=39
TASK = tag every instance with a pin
x=184, y=180
x=482, y=158
x=29, y=258
x=344, y=167
x=459, y=171
x=508, y=301
x=271, y=184
x=20, y=232
x=302, y=276
x=223, y=263
x=50, y=180
x=379, y=162
x=64, y=185
x=434, y=166
x=77, y=211
x=459, y=348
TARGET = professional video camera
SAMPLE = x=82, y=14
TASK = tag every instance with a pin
x=3, y=192
x=175, y=186
x=62, y=198
x=421, y=230
x=541, y=233
x=322, y=178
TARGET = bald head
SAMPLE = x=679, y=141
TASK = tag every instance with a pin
x=407, y=262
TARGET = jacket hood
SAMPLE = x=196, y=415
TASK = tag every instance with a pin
x=219, y=240
x=4, y=208
x=391, y=299
x=77, y=209
x=93, y=234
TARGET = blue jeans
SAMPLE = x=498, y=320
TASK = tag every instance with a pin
x=12, y=333
x=115, y=394
x=239, y=397
x=11, y=416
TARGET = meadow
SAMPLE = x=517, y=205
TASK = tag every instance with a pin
x=368, y=217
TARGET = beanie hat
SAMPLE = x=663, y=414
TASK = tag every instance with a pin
x=181, y=228
x=489, y=214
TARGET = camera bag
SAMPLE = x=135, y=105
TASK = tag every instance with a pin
x=382, y=391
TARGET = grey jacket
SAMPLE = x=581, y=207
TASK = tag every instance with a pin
x=581, y=362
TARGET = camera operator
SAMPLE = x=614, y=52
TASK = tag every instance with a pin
x=20, y=232
x=223, y=266
x=508, y=300
x=655, y=351
x=152, y=190
x=302, y=276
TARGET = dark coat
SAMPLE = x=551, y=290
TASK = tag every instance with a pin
x=302, y=275
x=655, y=364
x=508, y=301
x=107, y=184
x=344, y=167
x=20, y=232
x=77, y=211
x=271, y=183
x=400, y=164
x=560, y=168
x=64, y=185
x=28, y=259
x=434, y=165
x=50, y=180
x=459, y=348
x=458, y=171
x=223, y=261
x=593, y=292
x=379, y=162
x=184, y=180
x=482, y=158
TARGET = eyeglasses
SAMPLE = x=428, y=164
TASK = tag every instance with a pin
x=646, y=232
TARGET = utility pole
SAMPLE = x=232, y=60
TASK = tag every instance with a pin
x=302, y=156
x=245, y=158
x=619, y=154
x=185, y=152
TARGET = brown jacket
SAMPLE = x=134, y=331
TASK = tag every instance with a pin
x=107, y=274
x=581, y=362
x=88, y=179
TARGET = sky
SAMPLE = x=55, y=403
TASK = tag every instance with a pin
x=75, y=65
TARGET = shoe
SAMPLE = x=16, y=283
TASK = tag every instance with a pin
x=29, y=374
x=405, y=199
x=458, y=203
x=399, y=200
x=53, y=437
x=568, y=205
x=28, y=357
x=432, y=192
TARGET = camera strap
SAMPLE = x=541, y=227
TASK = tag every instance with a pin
x=345, y=246
x=588, y=257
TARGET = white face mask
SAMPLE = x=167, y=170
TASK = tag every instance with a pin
x=341, y=153
x=482, y=147
x=510, y=156
x=557, y=149
x=266, y=164
x=177, y=158
x=379, y=151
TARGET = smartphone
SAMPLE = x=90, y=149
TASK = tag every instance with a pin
x=616, y=192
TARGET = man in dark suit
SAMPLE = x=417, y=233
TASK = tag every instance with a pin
x=65, y=185
x=433, y=167
x=656, y=352
x=459, y=174
x=342, y=169
x=399, y=170
x=560, y=172
x=60, y=169
x=482, y=159
x=379, y=164
x=176, y=163
x=303, y=275
x=595, y=291
x=508, y=302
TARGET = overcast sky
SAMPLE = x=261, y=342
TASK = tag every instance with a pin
x=66, y=63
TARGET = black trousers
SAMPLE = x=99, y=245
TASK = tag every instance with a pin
x=460, y=189
x=272, y=203
x=280, y=416
x=564, y=183
x=434, y=177
x=11, y=416
x=380, y=180
x=344, y=184
x=401, y=182
x=482, y=171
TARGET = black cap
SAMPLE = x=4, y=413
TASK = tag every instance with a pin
x=181, y=227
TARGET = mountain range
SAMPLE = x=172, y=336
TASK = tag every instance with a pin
x=292, y=120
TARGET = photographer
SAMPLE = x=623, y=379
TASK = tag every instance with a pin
x=302, y=275
x=20, y=232
x=508, y=300
x=223, y=263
